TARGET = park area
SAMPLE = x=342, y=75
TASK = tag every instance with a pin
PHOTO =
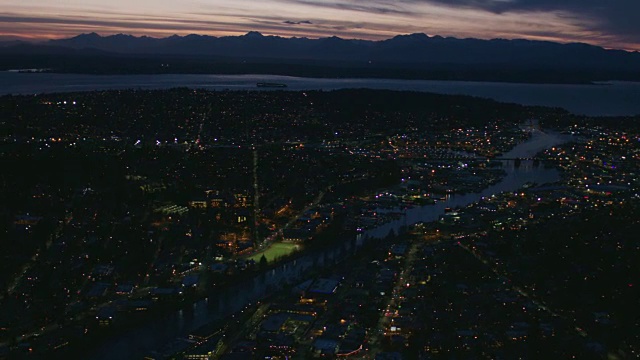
x=275, y=251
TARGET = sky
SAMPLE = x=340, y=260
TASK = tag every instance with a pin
x=608, y=23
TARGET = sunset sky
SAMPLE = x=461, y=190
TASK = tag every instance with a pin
x=608, y=23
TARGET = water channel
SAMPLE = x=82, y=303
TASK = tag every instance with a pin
x=139, y=341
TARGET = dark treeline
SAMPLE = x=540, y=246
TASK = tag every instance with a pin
x=260, y=117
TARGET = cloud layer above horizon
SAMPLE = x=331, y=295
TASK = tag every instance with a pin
x=611, y=24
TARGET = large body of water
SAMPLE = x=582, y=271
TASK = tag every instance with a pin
x=137, y=342
x=607, y=99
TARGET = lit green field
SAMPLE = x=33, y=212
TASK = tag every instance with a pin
x=275, y=251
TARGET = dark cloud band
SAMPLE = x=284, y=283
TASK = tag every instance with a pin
x=610, y=17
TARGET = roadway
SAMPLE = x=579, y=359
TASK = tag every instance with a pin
x=502, y=275
x=378, y=334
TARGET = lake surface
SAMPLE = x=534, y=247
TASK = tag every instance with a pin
x=605, y=99
x=139, y=341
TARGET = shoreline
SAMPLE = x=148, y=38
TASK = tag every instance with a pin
x=610, y=99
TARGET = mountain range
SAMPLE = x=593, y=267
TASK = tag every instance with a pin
x=414, y=55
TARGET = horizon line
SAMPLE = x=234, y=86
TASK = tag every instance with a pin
x=41, y=40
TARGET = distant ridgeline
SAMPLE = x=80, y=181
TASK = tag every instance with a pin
x=415, y=56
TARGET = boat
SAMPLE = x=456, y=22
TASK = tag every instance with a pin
x=271, y=85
